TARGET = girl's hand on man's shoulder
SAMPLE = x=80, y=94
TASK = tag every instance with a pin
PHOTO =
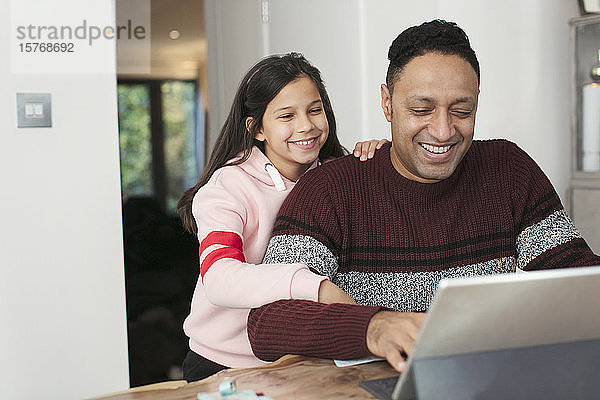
x=366, y=150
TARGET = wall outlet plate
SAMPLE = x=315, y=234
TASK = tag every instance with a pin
x=34, y=110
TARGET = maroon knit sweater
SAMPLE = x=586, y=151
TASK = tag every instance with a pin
x=387, y=241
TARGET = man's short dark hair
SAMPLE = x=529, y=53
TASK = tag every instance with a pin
x=435, y=36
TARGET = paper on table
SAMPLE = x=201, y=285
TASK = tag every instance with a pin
x=356, y=361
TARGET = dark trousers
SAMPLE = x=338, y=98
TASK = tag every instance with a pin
x=196, y=367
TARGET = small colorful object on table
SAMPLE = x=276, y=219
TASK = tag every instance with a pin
x=227, y=391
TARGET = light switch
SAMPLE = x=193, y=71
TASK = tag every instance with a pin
x=34, y=110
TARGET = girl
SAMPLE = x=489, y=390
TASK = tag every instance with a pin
x=280, y=125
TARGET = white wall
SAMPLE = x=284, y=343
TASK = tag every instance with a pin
x=522, y=46
x=323, y=32
x=62, y=298
x=234, y=44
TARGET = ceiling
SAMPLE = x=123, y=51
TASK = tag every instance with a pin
x=182, y=58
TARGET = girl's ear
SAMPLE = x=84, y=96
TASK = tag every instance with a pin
x=259, y=136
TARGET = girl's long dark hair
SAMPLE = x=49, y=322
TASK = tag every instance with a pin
x=259, y=86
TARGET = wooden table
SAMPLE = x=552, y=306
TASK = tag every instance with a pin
x=290, y=377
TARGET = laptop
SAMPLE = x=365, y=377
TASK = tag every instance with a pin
x=478, y=328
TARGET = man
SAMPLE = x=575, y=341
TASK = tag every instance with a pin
x=433, y=204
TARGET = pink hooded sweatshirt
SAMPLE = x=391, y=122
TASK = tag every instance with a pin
x=235, y=212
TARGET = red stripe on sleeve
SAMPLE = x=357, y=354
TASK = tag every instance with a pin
x=229, y=239
x=223, y=252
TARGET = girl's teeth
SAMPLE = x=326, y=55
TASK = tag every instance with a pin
x=305, y=142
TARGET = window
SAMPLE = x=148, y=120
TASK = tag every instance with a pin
x=160, y=140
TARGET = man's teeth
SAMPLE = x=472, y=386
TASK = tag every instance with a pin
x=305, y=142
x=435, y=149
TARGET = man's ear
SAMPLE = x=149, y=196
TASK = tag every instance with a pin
x=249, y=123
x=386, y=102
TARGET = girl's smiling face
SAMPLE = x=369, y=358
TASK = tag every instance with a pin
x=294, y=128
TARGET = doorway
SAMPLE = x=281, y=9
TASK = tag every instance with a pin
x=161, y=141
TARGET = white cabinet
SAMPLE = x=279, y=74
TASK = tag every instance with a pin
x=585, y=176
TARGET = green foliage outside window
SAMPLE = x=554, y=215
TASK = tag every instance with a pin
x=179, y=128
x=135, y=143
x=178, y=115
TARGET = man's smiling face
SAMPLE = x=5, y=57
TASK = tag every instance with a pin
x=432, y=114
